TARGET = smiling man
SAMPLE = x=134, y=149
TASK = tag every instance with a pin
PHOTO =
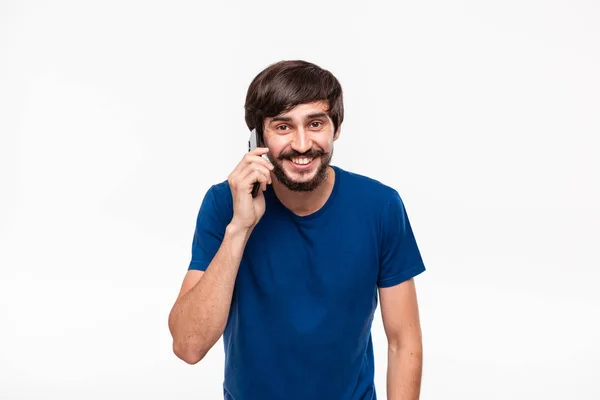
x=291, y=278
x=313, y=115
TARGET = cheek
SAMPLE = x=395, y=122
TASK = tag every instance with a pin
x=274, y=144
x=275, y=149
x=325, y=144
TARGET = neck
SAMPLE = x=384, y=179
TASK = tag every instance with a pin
x=305, y=203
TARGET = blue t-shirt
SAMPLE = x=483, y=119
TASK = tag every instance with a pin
x=299, y=326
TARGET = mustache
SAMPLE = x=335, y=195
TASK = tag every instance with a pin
x=312, y=153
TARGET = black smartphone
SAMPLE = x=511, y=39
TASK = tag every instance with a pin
x=253, y=144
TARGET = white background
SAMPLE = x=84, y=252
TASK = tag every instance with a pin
x=116, y=117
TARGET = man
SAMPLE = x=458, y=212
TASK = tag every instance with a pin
x=290, y=277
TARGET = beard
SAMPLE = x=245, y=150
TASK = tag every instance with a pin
x=302, y=186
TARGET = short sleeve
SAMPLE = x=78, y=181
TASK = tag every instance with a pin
x=210, y=228
x=400, y=258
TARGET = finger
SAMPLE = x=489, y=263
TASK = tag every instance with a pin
x=249, y=159
x=259, y=151
x=254, y=173
x=257, y=176
x=265, y=168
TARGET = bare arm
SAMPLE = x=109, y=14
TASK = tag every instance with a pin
x=199, y=316
x=200, y=313
x=405, y=348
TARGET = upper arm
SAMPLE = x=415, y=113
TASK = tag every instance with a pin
x=400, y=258
x=400, y=262
x=214, y=215
x=209, y=231
x=192, y=277
x=400, y=313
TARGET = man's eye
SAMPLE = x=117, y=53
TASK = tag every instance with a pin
x=282, y=127
x=316, y=124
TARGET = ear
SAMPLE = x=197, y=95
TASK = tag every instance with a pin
x=336, y=135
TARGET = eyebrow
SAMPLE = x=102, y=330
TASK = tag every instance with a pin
x=286, y=119
x=309, y=116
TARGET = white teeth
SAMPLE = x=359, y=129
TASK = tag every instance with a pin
x=301, y=161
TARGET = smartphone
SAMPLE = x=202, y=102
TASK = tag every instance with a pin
x=253, y=144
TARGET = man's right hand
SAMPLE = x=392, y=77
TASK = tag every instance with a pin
x=199, y=316
x=247, y=211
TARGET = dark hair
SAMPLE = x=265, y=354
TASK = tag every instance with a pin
x=286, y=84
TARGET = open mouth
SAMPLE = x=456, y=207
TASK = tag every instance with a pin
x=301, y=162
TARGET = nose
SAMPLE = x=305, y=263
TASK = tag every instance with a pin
x=301, y=141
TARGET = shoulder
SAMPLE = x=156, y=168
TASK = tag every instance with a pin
x=218, y=201
x=367, y=189
x=220, y=192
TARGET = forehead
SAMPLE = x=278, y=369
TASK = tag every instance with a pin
x=303, y=110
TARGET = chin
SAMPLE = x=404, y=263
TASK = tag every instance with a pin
x=301, y=176
x=305, y=180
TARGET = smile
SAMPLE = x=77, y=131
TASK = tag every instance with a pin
x=301, y=163
x=302, y=160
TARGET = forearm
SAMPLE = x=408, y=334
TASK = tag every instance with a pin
x=405, y=364
x=199, y=317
